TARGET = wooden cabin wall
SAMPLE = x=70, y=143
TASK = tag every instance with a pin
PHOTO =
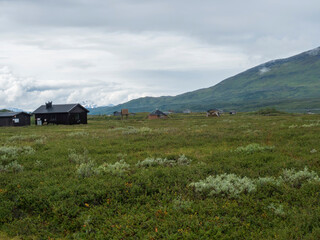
x=4, y=122
x=63, y=118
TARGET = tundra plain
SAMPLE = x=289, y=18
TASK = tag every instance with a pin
x=244, y=176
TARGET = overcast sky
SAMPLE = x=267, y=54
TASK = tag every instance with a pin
x=111, y=51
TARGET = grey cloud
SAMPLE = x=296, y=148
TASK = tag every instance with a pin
x=134, y=48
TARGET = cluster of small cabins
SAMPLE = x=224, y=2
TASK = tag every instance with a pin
x=69, y=114
x=55, y=114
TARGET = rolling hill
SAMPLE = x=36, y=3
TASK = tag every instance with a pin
x=291, y=84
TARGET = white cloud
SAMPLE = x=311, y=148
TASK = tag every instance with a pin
x=109, y=68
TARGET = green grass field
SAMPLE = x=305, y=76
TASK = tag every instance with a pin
x=142, y=179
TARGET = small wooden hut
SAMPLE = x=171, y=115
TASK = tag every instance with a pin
x=213, y=113
x=157, y=114
x=14, y=119
x=124, y=113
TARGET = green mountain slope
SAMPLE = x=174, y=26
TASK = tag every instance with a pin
x=291, y=84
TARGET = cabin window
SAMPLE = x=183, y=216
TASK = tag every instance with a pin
x=16, y=120
x=53, y=117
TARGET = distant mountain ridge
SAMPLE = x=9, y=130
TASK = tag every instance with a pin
x=290, y=84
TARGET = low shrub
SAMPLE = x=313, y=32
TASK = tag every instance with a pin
x=277, y=209
x=311, y=125
x=298, y=178
x=14, y=167
x=181, y=204
x=254, y=147
x=87, y=169
x=225, y=185
x=150, y=162
x=10, y=153
x=313, y=151
x=269, y=180
x=230, y=185
x=133, y=130
x=118, y=168
x=17, y=138
x=77, y=134
x=78, y=158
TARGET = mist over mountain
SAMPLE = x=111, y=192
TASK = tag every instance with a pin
x=291, y=84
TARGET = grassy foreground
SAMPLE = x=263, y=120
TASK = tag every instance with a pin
x=93, y=182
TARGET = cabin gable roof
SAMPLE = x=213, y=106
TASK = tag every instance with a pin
x=11, y=114
x=58, y=108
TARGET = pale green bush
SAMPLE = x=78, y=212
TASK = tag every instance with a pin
x=316, y=124
x=269, y=180
x=225, y=185
x=78, y=158
x=87, y=169
x=298, y=178
x=40, y=141
x=78, y=134
x=27, y=150
x=118, y=168
x=151, y=162
x=181, y=204
x=9, y=152
x=277, y=209
x=23, y=138
x=183, y=160
x=14, y=166
x=133, y=130
x=313, y=151
x=254, y=147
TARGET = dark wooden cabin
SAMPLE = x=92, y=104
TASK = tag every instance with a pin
x=157, y=114
x=14, y=119
x=61, y=114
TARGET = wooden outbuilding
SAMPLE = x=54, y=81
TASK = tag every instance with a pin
x=14, y=119
x=213, y=113
x=61, y=114
x=157, y=114
x=124, y=113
